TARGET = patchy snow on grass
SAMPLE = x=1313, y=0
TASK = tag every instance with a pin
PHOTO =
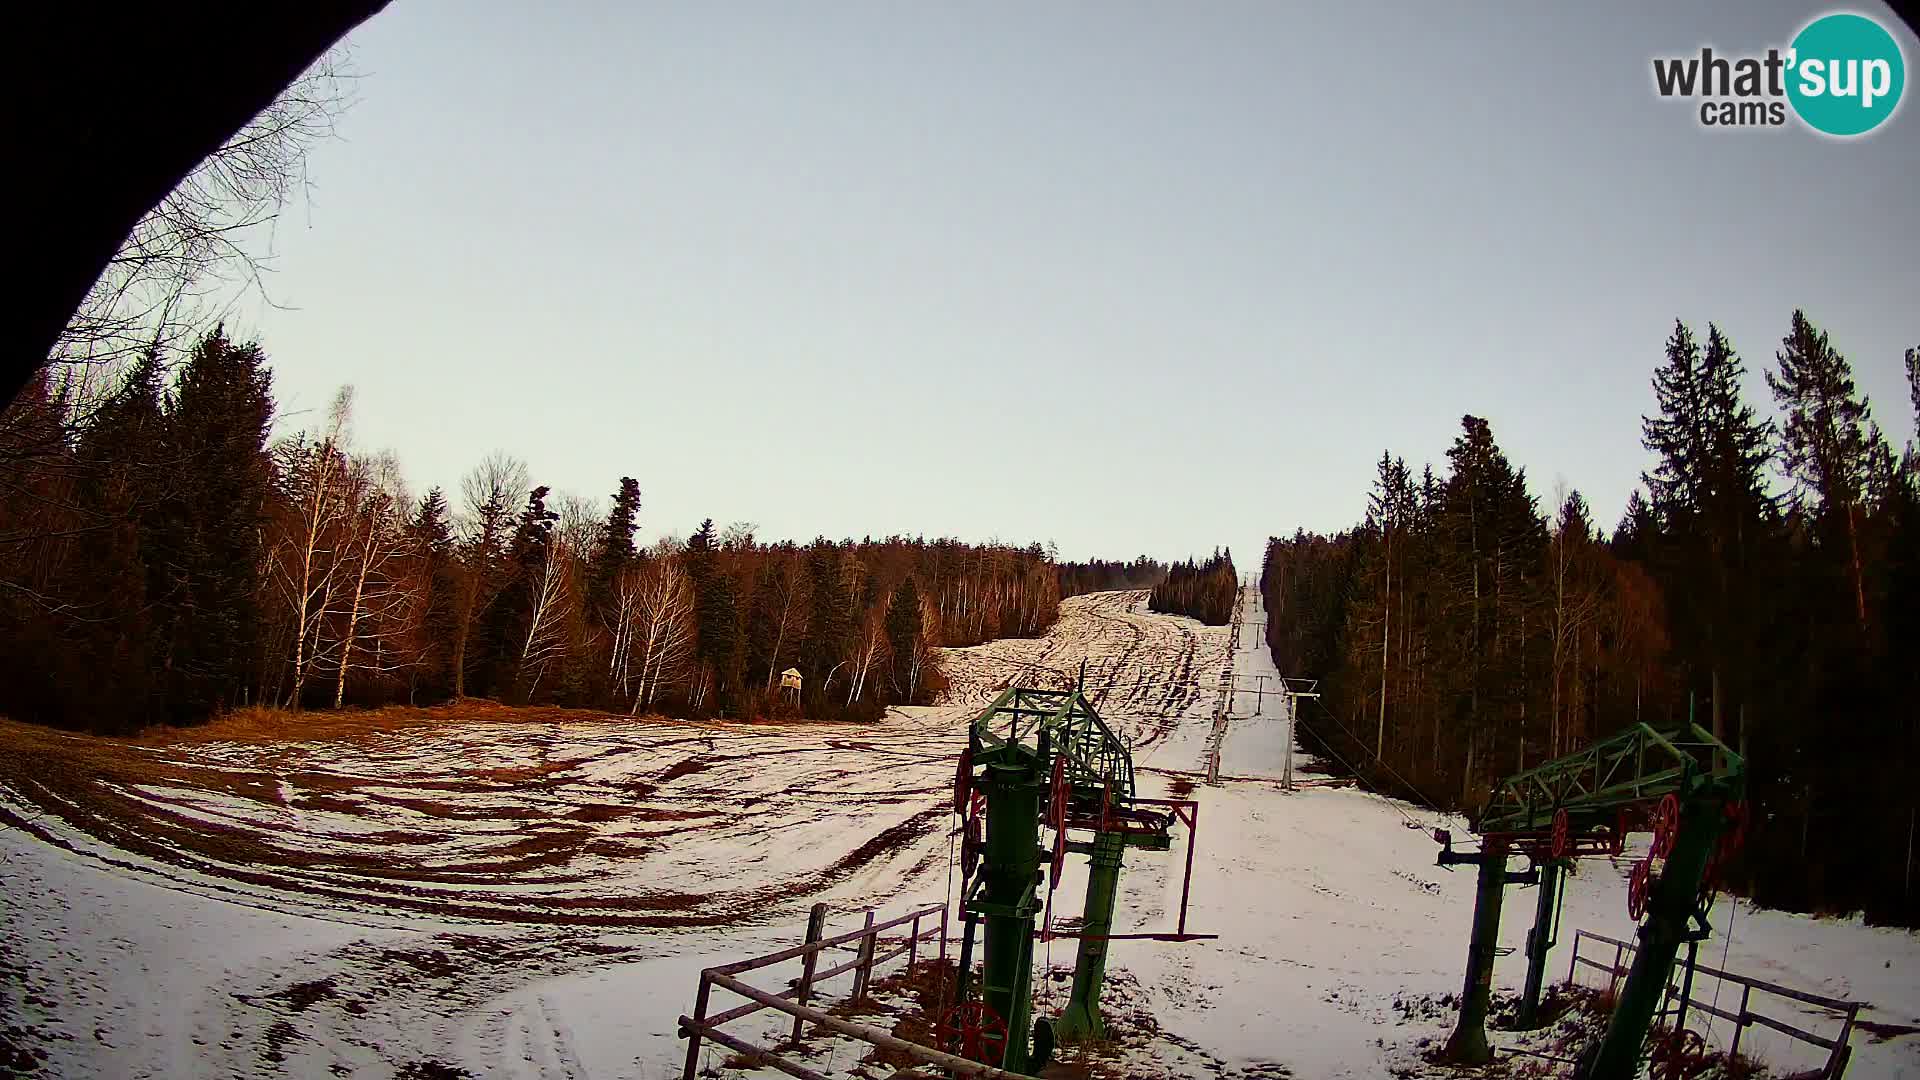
x=537, y=900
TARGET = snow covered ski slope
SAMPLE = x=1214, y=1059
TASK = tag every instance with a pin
x=535, y=901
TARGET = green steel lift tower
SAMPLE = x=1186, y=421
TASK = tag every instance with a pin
x=1687, y=787
x=1043, y=758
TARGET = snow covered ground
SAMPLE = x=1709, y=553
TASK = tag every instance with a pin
x=537, y=901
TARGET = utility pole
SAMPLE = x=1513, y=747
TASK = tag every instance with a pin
x=1286, y=771
x=1293, y=713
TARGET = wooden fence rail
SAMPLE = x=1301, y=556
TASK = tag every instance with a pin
x=1837, y=1046
x=866, y=943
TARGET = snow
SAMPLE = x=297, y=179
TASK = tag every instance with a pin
x=529, y=901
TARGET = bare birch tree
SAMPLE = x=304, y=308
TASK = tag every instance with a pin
x=209, y=241
x=869, y=650
x=380, y=592
x=791, y=596
x=551, y=595
x=317, y=473
x=663, y=629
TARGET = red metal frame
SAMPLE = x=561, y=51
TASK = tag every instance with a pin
x=1186, y=812
x=1542, y=844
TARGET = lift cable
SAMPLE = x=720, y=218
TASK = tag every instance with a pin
x=1383, y=763
x=1726, y=949
x=1364, y=786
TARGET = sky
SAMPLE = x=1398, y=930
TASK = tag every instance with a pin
x=1128, y=277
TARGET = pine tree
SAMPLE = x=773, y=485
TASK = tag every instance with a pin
x=1708, y=491
x=204, y=574
x=1492, y=543
x=124, y=457
x=432, y=533
x=904, y=633
x=1825, y=445
x=829, y=626
x=716, y=607
x=613, y=550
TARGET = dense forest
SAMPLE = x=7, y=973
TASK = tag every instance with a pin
x=1765, y=581
x=1204, y=591
x=1099, y=575
x=162, y=558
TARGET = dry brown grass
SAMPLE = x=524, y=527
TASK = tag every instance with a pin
x=262, y=724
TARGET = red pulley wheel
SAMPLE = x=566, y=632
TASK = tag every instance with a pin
x=1686, y=1054
x=1638, y=884
x=1709, y=881
x=975, y=1032
x=1666, y=826
x=1735, y=836
x=971, y=843
x=1562, y=829
x=963, y=781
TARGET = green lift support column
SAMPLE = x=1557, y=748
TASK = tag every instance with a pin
x=1081, y=1020
x=1539, y=941
x=1581, y=805
x=1468, y=1043
x=1010, y=868
x=1674, y=900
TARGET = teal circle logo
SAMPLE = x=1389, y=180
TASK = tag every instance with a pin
x=1845, y=74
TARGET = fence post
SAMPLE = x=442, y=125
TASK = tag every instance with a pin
x=864, y=973
x=693, y=1036
x=913, y=943
x=1613, y=974
x=943, y=933
x=1837, y=1061
x=816, y=929
x=1740, y=1025
x=1575, y=961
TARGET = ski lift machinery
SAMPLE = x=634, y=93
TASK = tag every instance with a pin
x=1687, y=788
x=1043, y=759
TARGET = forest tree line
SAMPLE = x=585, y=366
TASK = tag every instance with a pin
x=1765, y=581
x=1204, y=591
x=1101, y=575
x=164, y=558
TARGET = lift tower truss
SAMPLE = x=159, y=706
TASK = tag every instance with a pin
x=1045, y=758
x=1686, y=786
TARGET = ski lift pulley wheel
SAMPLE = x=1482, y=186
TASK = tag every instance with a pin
x=1639, y=882
x=972, y=842
x=963, y=781
x=1561, y=830
x=1685, y=1055
x=1666, y=825
x=1735, y=836
x=1709, y=880
x=974, y=1032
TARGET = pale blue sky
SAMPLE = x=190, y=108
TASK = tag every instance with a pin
x=1134, y=277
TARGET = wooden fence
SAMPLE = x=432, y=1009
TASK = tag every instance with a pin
x=866, y=944
x=1743, y=1016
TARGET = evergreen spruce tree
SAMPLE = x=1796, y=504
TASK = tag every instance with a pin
x=204, y=574
x=431, y=530
x=613, y=550
x=904, y=631
x=123, y=458
x=829, y=629
x=1826, y=446
x=1708, y=491
x=717, y=644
